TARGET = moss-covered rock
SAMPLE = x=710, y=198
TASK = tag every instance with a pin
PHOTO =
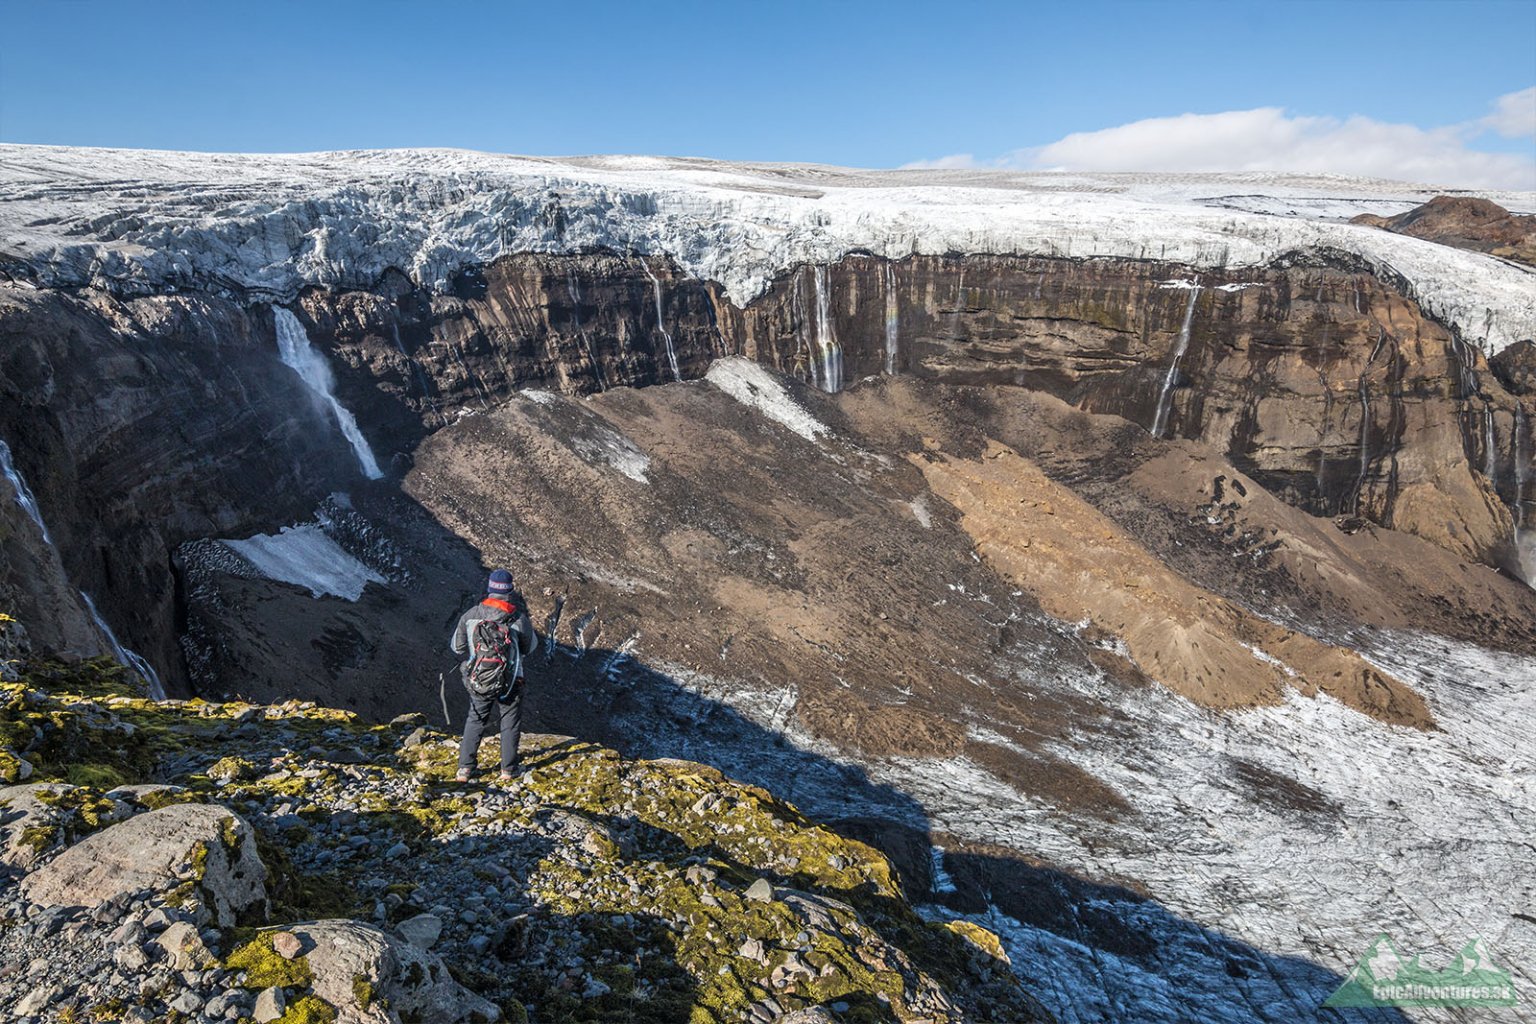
x=599, y=888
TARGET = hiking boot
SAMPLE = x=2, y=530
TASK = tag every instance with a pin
x=462, y=776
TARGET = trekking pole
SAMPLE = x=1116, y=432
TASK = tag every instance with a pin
x=442, y=692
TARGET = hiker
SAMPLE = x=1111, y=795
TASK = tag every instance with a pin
x=492, y=638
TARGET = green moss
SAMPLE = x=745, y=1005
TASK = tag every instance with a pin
x=199, y=860
x=308, y=1010
x=41, y=838
x=264, y=967
x=99, y=776
x=362, y=991
x=231, y=769
x=229, y=832
x=302, y=896
x=10, y=767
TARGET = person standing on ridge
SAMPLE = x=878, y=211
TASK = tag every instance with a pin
x=492, y=638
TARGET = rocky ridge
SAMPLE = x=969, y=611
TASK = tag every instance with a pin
x=1465, y=222
x=204, y=862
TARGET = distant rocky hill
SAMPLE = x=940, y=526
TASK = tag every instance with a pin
x=1465, y=222
x=204, y=862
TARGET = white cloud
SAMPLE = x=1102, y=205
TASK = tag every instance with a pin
x=1514, y=115
x=954, y=160
x=1269, y=139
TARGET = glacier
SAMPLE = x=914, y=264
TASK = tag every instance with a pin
x=274, y=224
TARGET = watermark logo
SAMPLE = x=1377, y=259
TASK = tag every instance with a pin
x=1384, y=977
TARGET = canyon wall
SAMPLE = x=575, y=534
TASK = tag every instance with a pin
x=145, y=422
x=1325, y=383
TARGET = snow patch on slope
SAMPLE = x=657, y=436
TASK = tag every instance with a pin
x=750, y=384
x=1302, y=830
x=306, y=556
x=276, y=223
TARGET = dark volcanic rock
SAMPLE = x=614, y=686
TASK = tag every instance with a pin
x=141, y=424
x=1324, y=384
x=1467, y=223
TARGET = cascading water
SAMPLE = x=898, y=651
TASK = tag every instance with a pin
x=296, y=352
x=892, y=320
x=574, y=292
x=417, y=373
x=661, y=323
x=24, y=496
x=1490, y=451
x=956, y=322
x=1165, y=397
x=1525, y=549
x=1365, y=419
x=128, y=659
x=826, y=340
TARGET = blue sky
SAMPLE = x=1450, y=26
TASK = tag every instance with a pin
x=866, y=84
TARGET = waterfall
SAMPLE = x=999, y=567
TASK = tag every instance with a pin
x=1522, y=472
x=826, y=340
x=661, y=324
x=24, y=496
x=1165, y=397
x=892, y=320
x=128, y=659
x=574, y=292
x=955, y=326
x=1490, y=452
x=1365, y=417
x=297, y=354
x=474, y=381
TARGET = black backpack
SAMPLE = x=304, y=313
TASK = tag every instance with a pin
x=496, y=658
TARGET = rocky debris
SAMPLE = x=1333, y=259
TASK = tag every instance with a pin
x=15, y=650
x=590, y=886
x=183, y=947
x=206, y=852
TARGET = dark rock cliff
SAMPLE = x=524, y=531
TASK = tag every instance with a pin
x=146, y=422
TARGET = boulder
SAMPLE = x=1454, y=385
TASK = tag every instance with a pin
x=422, y=930
x=184, y=948
x=209, y=848
x=270, y=1005
x=373, y=978
x=31, y=824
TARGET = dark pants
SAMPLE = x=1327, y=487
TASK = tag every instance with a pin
x=483, y=713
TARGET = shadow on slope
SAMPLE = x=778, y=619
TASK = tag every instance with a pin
x=1089, y=951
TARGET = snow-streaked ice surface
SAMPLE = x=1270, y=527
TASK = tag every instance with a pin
x=612, y=449
x=751, y=385
x=275, y=223
x=306, y=556
x=1274, y=843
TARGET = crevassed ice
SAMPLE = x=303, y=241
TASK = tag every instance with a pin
x=278, y=223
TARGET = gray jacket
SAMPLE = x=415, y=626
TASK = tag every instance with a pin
x=509, y=608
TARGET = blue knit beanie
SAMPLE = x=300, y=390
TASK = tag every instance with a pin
x=500, y=583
